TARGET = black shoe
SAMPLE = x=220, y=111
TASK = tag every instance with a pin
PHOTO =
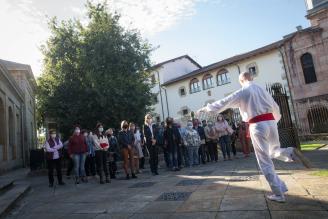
x=51, y=185
x=61, y=183
x=156, y=173
x=134, y=176
x=77, y=180
x=127, y=177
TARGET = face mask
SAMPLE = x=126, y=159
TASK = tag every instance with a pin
x=220, y=118
x=125, y=126
x=77, y=131
x=53, y=135
x=101, y=129
x=137, y=131
x=90, y=133
x=85, y=134
x=210, y=124
x=189, y=126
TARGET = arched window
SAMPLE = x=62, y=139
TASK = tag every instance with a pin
x=308, y=68
x=194, y=85
x=2, y=130
x=223, y=77
x=208, y=81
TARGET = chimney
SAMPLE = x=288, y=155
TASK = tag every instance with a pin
x=299, y=28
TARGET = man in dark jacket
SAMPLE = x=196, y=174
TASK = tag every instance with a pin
x=149, y=131
x=172, y=139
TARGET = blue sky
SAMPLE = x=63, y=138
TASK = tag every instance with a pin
x=207, y=30
x=221, y=30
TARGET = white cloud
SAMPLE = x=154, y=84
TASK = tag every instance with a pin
x=153, y=16
x=24, y=22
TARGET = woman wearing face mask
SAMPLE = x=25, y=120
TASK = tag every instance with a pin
x=223, y=131
x=52, y=147
x=137, y=150
x=113, y=153
x=90, y=161
x=101, y=148
x=192, y=142
x=77, y=149
x=125, y=139
x=211, y=141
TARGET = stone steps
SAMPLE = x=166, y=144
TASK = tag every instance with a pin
x=10, y=194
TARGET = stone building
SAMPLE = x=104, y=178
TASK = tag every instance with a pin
x=306, y=57
x=17, y=114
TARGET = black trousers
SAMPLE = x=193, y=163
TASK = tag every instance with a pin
x=213, y=150
x=179, y=156
x=233, y=144
x=51, y=165
x=90, y=166
x=153, y=158
x=201, y=154
x=112, y=165
x=101, y=163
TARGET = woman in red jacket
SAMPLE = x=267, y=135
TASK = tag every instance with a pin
x=77, y=149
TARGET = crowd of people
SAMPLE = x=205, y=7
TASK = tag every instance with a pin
x=94, y=154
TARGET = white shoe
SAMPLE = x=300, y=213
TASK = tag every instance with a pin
x=276, y=198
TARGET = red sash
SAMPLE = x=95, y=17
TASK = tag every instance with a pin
x=260, y=118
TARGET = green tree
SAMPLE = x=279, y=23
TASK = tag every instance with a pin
x=94, y=72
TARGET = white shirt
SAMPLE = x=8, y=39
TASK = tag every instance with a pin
x=251, y=99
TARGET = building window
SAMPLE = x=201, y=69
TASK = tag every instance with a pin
x=194, y=85
x=252, y=68
x=308, y=68
x=182, y=91
x=223, y=77
x=185, y=112
x=207, y=81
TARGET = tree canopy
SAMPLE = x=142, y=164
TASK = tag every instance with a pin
x=94, y=72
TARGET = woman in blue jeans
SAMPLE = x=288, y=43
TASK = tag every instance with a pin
x=223, y=131
x=77, y=150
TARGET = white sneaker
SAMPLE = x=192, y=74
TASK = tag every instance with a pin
x=276, y=198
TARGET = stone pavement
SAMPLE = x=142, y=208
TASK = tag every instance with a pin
x=231, y=189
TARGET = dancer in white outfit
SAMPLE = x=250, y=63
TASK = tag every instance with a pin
x=258, y=108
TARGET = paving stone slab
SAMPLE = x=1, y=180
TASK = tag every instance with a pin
x=203, y=205
x=194, y=215
x=301, y=203
x=113, y=216
x=253, y=202
x=151, y=216
x=201, y=173
x=125, y=207
x=174, y=196
x=243, y=215
x=299, y=214
x=190, y=182
x=161, y=207
x=142, y=185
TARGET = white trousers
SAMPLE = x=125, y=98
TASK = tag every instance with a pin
x=265, y=139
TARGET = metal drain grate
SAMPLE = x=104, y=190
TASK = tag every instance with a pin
x=174, y=196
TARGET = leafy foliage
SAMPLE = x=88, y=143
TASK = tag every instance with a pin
x=94, y=73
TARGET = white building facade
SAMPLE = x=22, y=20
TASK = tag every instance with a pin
x=192, y=90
